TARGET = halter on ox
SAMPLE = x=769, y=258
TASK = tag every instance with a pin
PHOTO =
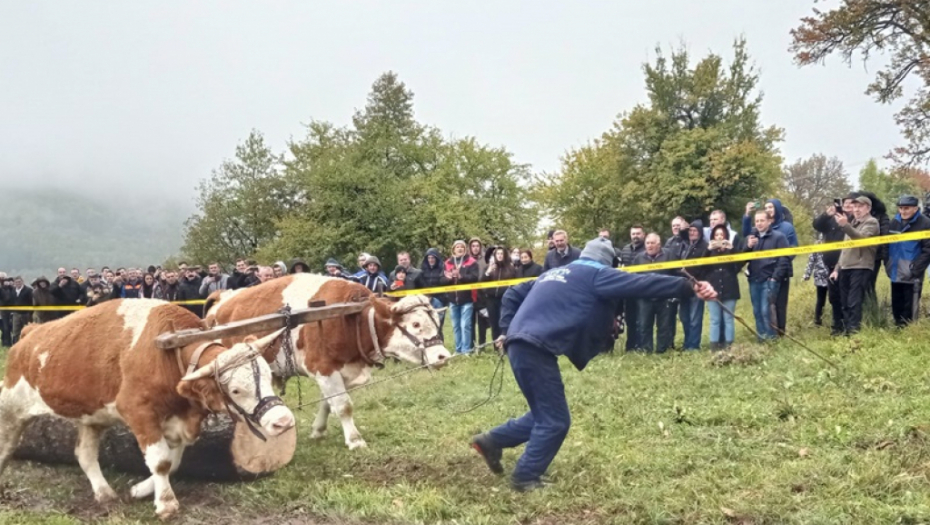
x=420, y=344
x=265, y=403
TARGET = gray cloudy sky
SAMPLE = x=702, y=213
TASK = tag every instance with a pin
x=148, y=94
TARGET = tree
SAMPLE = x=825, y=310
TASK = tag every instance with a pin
x=816, y=181
x=887, y=186
x=696, y=146
x=239, y=206
x=389, y=183
x=897, y=29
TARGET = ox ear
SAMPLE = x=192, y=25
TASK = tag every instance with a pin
x=204, y=371
x=208, y=322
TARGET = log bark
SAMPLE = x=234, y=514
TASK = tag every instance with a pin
x=226, y=451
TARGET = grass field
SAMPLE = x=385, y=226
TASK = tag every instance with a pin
x=768, y=434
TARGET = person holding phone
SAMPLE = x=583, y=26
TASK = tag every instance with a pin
x=831, y=231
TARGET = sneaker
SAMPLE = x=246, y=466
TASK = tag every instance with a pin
x=528, y=486
x=490, y=452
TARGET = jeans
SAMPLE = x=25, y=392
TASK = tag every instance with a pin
x=437, y=304
x=763, y=297
x=461, y=326
x=545, y=426
x=717, y=315
x=656, y=317
x=691, y=313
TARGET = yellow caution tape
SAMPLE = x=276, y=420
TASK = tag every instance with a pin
x=688, y=263
x=71, y=308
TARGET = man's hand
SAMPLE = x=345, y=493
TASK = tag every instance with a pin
x=841, y=219
x=834, y=275
x=704, y=291
x=499, y=342
x=751, y=241
x=749, y=207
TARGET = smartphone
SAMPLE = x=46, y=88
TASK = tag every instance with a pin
x=838, y=205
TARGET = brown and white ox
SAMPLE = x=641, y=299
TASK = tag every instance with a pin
x=100, y=366
x=342, y=352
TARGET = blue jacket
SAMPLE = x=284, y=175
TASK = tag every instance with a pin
x=779, y=224
x=907, y=261
x=570, y=310
x=778, y=268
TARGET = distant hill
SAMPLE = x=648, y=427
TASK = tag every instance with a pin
x=41, y=230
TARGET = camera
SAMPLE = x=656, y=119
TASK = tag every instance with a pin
x=838, y=205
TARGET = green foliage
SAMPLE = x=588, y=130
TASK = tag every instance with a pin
x=389, y=183
x=696, y=146
x=239, y=205
x=45, y=228
x=887, y=186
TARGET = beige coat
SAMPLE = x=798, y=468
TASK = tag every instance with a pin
x=859, y=258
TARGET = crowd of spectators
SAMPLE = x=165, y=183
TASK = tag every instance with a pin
x=844, y=278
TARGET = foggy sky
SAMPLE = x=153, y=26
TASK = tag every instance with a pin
x=150, y=96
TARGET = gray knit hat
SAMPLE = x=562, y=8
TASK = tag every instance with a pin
x=600, y=250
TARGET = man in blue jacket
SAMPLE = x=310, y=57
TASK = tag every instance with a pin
x=566, y=311
x=767, y=276
x=780, y=223
x=906, y=262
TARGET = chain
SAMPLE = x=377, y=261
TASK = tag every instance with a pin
x=290, y=360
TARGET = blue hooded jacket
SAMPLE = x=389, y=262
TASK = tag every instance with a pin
x=570, y=310
x=779, y=224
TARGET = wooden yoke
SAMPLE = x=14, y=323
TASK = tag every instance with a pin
x=266, y=323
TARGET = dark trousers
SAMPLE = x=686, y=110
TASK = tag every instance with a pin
x=905, y=298
x=836, y=305
x=6, y=328
x=781, y=306
x=480, y=326
x=633, y=333
x=656, y=317
x=821, y=302
x=854, y=285
x=493, y=304
x=545, y=426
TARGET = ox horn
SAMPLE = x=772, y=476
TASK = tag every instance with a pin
x=204, y=371
x=263, y=343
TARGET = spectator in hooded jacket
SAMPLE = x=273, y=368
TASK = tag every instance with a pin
x=529, y=267
x=279, y=269
x=67, y=292
x=724, y=278
x=461, y=268
x=42, y=296
x=562, y=252
x=691, y=310
x=766, y=275
x=298, y=266
x=780, y=223
x=431, y=273
x=907, y=261
x=499, y=269
x=334, y=269
x=374, y=279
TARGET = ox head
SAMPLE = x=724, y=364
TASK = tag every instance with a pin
x=416, y=335
x=240, y=379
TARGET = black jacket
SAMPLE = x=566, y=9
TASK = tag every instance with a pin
x=777, y=268
x=502, y=273
x=826, y=225
x=23, y=299
x=530, y=270
x=431, y=275
x=555, y=260
x=629, y=252
x=67, y=292
x=723, y=277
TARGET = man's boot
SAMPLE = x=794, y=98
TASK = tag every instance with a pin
x=490, y=452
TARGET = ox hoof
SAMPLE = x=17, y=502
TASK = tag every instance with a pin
x=142, y=489
x=105, y=495
x=357, y=443
x=318, y=434
x=166, y=509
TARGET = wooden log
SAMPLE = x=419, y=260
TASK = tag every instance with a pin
x=265, y=323
x=226, y=451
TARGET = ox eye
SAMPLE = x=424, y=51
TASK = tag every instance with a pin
x=416, y=325
x=234, y=391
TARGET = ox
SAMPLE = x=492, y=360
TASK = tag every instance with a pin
x=338, y=353
x=100, y=366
